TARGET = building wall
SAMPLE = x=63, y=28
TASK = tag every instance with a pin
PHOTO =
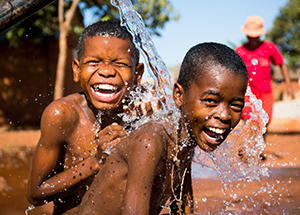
x=27, y=77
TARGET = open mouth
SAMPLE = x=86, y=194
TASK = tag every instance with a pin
x=106, y=92
x=215, y=135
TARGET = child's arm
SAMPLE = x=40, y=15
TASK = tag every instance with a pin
x=286, y=75
x=142, y=165
x=48, y=179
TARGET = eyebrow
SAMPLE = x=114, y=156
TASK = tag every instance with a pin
x=211, y=92
x=239, y=99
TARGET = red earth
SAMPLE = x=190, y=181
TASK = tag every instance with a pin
x=277, y=194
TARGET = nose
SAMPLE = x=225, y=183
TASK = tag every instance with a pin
x=106, y=70
x=223, y=113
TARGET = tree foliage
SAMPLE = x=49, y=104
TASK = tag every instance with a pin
x=286, y=32
x=44, y=23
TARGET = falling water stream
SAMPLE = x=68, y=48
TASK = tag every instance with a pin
x=254, y=140
x=142, y=39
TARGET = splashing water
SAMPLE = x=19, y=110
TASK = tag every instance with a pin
x=244, y=144
x=154, y=65
x=142, y=39
x=140, y=96
x=238, y=158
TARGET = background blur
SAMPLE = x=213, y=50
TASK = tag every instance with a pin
x=28, y=70
x=29, y=60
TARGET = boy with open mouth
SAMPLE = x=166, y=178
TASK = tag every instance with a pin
x=76, y=129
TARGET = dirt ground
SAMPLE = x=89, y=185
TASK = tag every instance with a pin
x=277, y=194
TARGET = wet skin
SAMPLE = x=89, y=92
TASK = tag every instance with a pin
x=213, y=107
x=136, y=177
x=107, y=74
x=67, y=155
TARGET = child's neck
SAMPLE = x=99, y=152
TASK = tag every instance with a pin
x=253, y=47
x=107, y=117
x=182, y=139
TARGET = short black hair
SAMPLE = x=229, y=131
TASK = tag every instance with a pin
x=205, y=55
x=109, y=28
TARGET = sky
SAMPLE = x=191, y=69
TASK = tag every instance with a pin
x=211, y=21
x=208, y=21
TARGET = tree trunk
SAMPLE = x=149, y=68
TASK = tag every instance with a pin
x=61, y=64
x=63, y=47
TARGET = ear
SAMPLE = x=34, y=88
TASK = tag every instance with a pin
x=178, y=94
x=139, y=70
x=76, y=70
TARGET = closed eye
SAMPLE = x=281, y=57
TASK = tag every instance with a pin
x=237, y=107
x=121, y=64
x=92, y=62
x=209, y=101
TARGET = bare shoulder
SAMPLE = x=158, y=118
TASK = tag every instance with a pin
x=149, y=141
x=153, y=132
x=64, y=110
x=60, y=118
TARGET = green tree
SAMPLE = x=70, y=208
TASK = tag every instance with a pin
x=286, y=32
x=64, y=16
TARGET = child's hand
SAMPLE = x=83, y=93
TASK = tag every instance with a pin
x=107, y=138
x=147, y=111
x=110, y=135
x=291, y=92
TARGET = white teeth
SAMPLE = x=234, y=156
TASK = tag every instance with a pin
x=105, y=87
x=105, y=90
x=216, y=130
x=106, y=95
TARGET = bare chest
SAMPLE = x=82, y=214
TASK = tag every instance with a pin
x=170, y=177
x=80, y=144
x=106, y=194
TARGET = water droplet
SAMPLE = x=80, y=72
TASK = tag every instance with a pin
x=30, y=208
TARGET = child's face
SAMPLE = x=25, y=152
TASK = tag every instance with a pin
x=212, y=105
x=107, y=71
